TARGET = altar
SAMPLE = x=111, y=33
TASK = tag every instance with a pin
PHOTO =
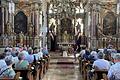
x=64, y=46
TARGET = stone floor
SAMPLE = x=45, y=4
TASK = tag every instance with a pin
x=62, y=68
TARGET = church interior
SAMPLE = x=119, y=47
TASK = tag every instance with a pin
x=59, y=39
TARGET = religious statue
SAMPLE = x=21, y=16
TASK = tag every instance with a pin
x=52, y=27
x=65, y=36
x=53, y=40
x=78, y=28
x=21, y=37
x=78, y=41
x=9, y=29
x=30, y=31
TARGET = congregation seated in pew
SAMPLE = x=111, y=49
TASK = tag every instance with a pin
x=25, y=64
x=99, y=64
x=104, y=67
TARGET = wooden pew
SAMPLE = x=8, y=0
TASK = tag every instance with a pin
x=85, y=68
x=35, y=70
x=15, y=78
x=100, y=74
x=24, y=73
x=41, y=69
x=38, y=71
x=46, y=61
x=80, y=64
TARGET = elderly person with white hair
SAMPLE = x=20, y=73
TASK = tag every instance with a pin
x=101, y=63
x=94, y=54
x=114, y=71
x=22, y=64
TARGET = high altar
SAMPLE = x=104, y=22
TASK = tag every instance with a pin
x=65, y=20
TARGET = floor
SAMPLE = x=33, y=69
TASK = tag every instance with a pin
x=62, y=68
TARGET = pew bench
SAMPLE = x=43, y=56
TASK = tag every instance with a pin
x=100, y=74
x=24, y=73
x=15, y=78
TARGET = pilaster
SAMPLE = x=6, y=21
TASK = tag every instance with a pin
x=44, y=26
x=118, y=18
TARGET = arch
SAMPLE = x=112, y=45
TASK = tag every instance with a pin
x=20, y=23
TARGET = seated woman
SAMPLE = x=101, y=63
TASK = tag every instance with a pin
x=30, y=58
x=22, y=64
x=45, y=51
x=109, y=58
x=8, y=72
x=35, y=54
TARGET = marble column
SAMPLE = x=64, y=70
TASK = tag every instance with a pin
x=37, y=18
x=44, y=26
x=118, y=18
x=3, y=8
x=88, y=30
x=92, y=28
x=40, y=34
x=3, y=19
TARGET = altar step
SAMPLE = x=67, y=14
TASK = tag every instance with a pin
x=63, y=66
x=57, y=58
x=63, y=60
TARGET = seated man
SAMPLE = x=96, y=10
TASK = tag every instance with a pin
x=114, y=71
x=40, y=53
x=45, y=51
x=82, y=52
x=22, y=65
x=25, y=52
x=101, y=63
x=86, y=55
x=8, y=72
x=30, y=57
x=94, y=54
